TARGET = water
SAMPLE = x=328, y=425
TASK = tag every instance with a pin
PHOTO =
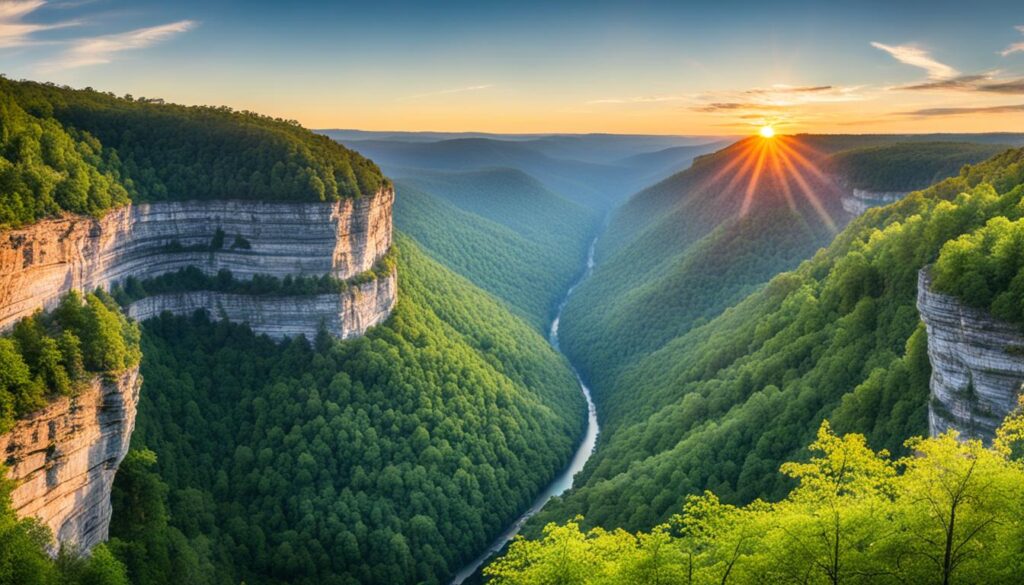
x=564, y=480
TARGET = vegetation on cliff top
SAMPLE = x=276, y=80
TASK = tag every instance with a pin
x=55, y=353
x=723, y=405
x=985, y=268
x=84, y=151
x=385, y=459
x=949, y=513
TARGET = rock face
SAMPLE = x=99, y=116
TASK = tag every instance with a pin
x=344, y=315
x=63, y=458
x=977, y=364
x=40, y=263
x=860, y=200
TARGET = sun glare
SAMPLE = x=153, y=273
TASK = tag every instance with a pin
x=767, y=132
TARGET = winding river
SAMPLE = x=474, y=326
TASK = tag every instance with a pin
x=564, y=480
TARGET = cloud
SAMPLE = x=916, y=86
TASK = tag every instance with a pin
x=649, y=99
x=777, y=97
x=915, y=57
x=14, y=32
x=982, y=82
x=1015, y=47
x=446, y=92
x=1010, y=109
x=103, y=49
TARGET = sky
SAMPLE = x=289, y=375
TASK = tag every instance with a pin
x=652, y=67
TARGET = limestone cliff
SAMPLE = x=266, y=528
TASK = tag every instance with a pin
x=63, y=458
x=42, y=262
x=857, y=201
x=977, y=364
x=344, y=315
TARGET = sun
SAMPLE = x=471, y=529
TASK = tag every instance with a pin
x=767, y=132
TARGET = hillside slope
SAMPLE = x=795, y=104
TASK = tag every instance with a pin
x=721, y=406
x=387, y=459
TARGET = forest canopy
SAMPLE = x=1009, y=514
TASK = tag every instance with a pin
x=384, y=459
x=950, y=512
x=84, y=151
x=55, y=353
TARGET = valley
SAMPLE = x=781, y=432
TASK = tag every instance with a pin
x=236, y=350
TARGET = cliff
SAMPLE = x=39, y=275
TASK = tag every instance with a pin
x=977, y=364
x=857, y=201
x=63, y=458
x=41, y=263
x=345, y=315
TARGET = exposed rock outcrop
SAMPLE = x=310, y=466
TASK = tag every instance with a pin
x=860, y=200
x=344, y=315
x=977, y=364
x=41, y=263
x=63, y=458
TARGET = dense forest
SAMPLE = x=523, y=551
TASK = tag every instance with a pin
x=906, y=166
x=985, y=268
x=86, y=151
x=723, y=405
x=500, y=229
x=948, y=513
x=386, y=459
x=55, y=353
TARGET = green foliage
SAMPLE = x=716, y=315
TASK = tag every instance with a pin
x=54, y=353
x=385, y=459
x=948, y=513
x=500, y=229
x=984, y=268
x=24, y=559
x=722, y=405
x=46, y=168
x=907, y=166
x=85, y=151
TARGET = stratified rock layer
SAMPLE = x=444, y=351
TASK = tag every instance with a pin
x=977, y=364
x=345, y=315
x=63, y=458
x=860, y=200
x=41, y=263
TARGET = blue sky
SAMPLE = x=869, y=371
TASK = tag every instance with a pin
x=662, y=67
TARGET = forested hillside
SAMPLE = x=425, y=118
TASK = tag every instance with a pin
x=948, y=513
x=85, y=151
x=721, y=406
x=387, y=459
x=502, y=230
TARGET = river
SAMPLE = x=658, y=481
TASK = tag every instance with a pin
x=564, y=480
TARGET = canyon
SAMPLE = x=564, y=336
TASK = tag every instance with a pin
x=977, y=365
x=63, y=458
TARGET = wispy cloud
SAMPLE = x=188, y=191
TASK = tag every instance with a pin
x=1010, y=109
x=643, y=99
x=1015, y=47
x=915, y=57
x=446, y=92
x=15, y=32
x=982, y=82
x=777, y=97
x=103, y=49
